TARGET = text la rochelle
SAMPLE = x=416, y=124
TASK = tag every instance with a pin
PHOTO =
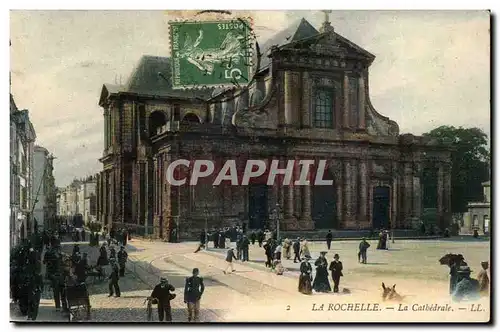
x=253, y=169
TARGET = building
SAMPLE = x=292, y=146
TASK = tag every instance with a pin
x=87, y=199
x=478, y=215
x=309, y=100
x=22, y=141
x=79, y=197
x=44, y=190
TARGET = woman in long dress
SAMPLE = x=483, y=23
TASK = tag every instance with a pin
x=305, y=277
x=304, y=251
x=321, y=283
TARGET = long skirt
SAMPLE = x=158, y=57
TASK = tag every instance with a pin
x=305, y=284
x=321, y=283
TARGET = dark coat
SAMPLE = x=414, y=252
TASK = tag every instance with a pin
x=230, y=256
x=114, y=276
x=296, y=246
x=163, y=294
x=363, y=246
x=122, y=257
x=336, y=268
x=193, y=290
x=329, y=237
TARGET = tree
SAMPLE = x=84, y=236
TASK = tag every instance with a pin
x=470, y=166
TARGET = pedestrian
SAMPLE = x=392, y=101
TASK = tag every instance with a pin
x=114, y=288
x=304, y=250
x=484, y=280
x=229, y=259
x=253, y=237
x=305, y=277
x=122, y=260
x=161, y=292
x=277, y=251
x=454, y=267
x=467, y=288
x=336, y=268
x=124, y=236
x=80, y=270
x=245, y=244
x=112, y=253
x=54, y=273
x=260, y=237
x=363, y=247
x=268, y=249
x=36, y=288
x=287, y=247
x=238, y=247
x=321, y=283
x=296, y=251
x=215, y=238
x=83, y=234
x=329, y=238
x=193, y=290
x=222, y=240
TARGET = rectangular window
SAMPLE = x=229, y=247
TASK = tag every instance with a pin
x=323, y=108
x=354, y=101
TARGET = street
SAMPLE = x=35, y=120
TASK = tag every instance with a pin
x=253, y=293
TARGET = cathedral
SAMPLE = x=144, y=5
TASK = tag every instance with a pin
x=309, y=100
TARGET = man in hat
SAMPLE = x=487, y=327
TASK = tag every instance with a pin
x=229, y=259
x=467, y=288
x=113, y=279
x=484, y=280
x=336, y=268
x=329, y=238
x=363, y=247
x=193, y=290
x=122, y=260
x=162, y=293
x=296, y=250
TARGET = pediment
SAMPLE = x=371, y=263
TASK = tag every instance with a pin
x=331, y=44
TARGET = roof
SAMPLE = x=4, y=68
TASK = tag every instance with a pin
x=152, y=76
x=301, y=30
x=298, y=30
x=486, y=184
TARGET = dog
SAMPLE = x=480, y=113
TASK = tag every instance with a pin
x=390, y=294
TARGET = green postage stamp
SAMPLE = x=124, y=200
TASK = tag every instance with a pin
x=208, y=54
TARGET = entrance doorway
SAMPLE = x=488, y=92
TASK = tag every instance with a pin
x=324, y=204
x=381, y=206
x=257, y=206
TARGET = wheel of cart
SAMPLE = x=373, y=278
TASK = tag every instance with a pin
x=78, y=301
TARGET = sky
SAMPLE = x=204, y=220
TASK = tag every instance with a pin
x=431, y=68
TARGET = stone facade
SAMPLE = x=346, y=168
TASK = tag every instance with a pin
x=375, y=170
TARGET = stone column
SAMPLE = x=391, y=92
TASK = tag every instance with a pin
x=354, y=191
x=288, y=98
x=156, y=186
x=348, y=194
x=105, y=117
x=362, y=121
x=297, y=189
x=417, y=198
x=447, y=195
x=408, y=185
x=287, y=193
x=440, y=201
x=395, y=194
x=305, y=113
x=339, y=183
x=363, y=188
x=346, y=101
x=306, y=202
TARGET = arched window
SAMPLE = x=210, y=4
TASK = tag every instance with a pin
x=323, y=108
x=191, y=118
x=157, y=120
